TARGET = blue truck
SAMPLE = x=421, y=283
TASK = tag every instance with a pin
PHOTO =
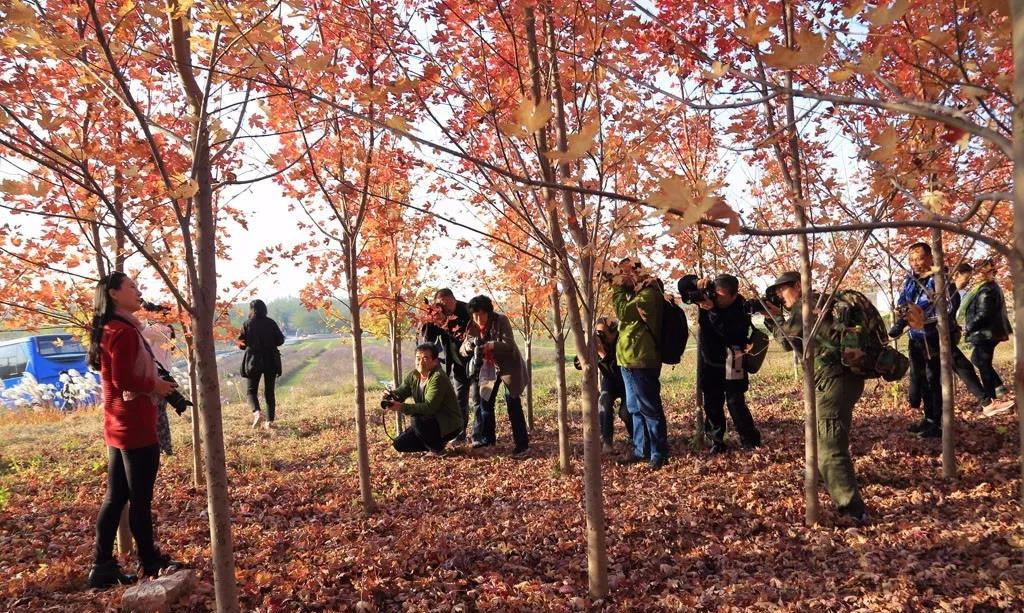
x=48, y=358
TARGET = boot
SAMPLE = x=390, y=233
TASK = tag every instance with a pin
x=159, y=564
x=108, y=574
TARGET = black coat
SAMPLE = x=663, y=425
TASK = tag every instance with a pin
x=721, y=329
x=262, y=337
x=450, y=336
x=986, y=319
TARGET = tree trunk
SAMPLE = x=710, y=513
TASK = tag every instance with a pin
x=362, y=445
x=204, y=302
x=698, y=441
x=945, y=358
x=193, y=383
x=124, y=534
x=564, y=453
x=396, y=364
x=597, y=552
x=1017, y=261
x=529, y=384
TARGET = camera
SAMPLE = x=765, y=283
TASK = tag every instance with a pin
x=689, y=293
x=755, y=307
x=175, y=399
x=389, y=397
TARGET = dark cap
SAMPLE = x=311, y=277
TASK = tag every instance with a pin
x=787, y=278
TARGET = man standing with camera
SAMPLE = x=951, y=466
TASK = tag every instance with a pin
x=724, y=337
x=837, y=391
x=434, y=410
x=612, y=386
x=638, y=300
x=446, y=331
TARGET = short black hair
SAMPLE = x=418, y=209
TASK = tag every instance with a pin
x=444, y=293
x=962, y=268
x=481, y=303
x=728, y=282
x=923, y=246
x=431, y=347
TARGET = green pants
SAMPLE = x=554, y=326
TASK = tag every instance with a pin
x=835, y=399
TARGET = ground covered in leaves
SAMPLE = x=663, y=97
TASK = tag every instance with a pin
x=481, y=531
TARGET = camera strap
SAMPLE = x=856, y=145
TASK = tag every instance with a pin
x=145, y=343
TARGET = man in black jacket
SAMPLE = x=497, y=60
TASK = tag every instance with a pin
x=724, y=336
x=447, y=332
x=986, y=324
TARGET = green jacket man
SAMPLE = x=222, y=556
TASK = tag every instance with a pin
x=437, y=418
x=837, y=390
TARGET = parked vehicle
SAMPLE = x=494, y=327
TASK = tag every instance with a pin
x=45, y=369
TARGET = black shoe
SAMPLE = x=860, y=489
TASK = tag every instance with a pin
x=479, y=444
x=918, y=426
x=108, y=574
x=162, y=563
x=750, y=445
x=718, y=449
x=932, y=431
x=630, y=459
x=520, y=452
x=657, y=464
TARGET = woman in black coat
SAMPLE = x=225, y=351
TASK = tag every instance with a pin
x=260, y=337
x=986, y=324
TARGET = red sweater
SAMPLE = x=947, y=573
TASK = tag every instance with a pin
x=127, y=424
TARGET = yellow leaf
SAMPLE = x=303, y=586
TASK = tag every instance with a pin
x=753, y=32
x=126, y=8
x=186, y=189
x=690, y=201
x=869, y=63
x=975, y=92
x=398, y=123
x=578, y=144
x=529, y=118
x=717, y=69
x=13, y=188
x=936, y=36
x=934, y=200
x=886, y=142
x=883, y=16
x=853, y=9
x=838, y=76
x=812, y=49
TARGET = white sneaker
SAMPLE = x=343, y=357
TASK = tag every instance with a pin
x=997, y=407
x=257, y=417
x=268, y=425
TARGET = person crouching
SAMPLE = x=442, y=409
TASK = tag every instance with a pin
x=436, y=418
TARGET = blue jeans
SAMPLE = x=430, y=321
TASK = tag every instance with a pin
x=483, y=424
x=643, y=398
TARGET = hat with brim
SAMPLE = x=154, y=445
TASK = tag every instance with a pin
x=787, y=278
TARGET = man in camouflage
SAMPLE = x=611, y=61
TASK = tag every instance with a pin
x=837, y=390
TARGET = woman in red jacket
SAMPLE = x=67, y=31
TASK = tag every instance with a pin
x=131, y=389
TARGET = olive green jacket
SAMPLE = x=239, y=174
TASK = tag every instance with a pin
x=640, y=315
x=437, y=399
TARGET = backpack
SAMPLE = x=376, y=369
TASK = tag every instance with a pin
x=754, y=359
x=675, y=333
x=859, y=334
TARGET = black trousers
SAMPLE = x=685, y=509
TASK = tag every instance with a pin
x=717, y=391
x=131, y=475
x=423, y=435
x=982, y=357
x=612, y=389
x=253, y=391
x=924, y=358
x=462, y=384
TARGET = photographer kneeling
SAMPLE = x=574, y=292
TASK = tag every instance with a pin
x=436, y=418
x=724, y=338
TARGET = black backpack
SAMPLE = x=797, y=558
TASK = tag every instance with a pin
x=675, y=333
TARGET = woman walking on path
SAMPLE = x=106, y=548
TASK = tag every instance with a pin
x=260, y=337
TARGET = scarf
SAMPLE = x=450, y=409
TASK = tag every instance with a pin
x=961, y=313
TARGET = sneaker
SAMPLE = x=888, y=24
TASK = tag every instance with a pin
x=657, y=464
x=1002, y=392
x=257, y=417
x=108, y=574
x=435, y=454
x=858, y=518
x=630, y=459
x=997, y=407
x=918, y=426
x=931, y=431
x=479, y=444
x=606, y=448
x=750, y=445
x=520, y=452
x=268, y=425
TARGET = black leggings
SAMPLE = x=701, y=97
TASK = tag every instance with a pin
x=982, y=357
x=268, y=392
x=131, y=474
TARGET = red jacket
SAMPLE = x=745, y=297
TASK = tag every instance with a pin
x=127, y=424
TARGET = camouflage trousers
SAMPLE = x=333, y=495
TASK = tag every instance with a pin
x=835, y=399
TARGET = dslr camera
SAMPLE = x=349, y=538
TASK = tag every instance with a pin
x=755, y=307
x=389, y=397
x=689, y=293
x=175, y=399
